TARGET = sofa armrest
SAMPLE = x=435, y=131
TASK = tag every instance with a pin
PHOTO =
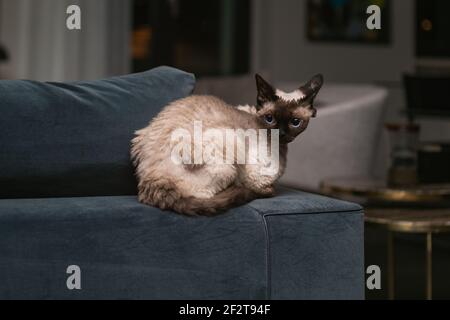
x=315, y=247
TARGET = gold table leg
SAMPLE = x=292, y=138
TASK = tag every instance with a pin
x=429, y=266
x=391, y=266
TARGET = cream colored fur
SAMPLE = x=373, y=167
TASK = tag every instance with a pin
x=152, y=150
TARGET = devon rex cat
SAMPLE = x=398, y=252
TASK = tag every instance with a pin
x=162, y=152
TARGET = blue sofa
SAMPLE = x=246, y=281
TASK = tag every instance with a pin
x=68, y=197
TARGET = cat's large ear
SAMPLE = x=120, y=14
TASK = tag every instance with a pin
x=266, y=92
x=311, y=89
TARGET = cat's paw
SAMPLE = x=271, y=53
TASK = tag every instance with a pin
x=268, y=192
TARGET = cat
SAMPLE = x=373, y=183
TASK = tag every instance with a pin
x=201, y=188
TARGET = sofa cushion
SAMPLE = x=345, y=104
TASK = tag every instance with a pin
x=73, y=139
x=293, y=246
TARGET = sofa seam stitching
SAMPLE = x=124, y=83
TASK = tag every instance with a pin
x=267, y=253
x=268, y=259
x=273, y=213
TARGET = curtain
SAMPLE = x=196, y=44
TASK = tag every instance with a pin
x=42, y=48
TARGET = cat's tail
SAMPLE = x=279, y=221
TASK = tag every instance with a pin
x=166, y=197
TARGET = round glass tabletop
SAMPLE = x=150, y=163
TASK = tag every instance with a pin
x=378, y=190
x=413, y=221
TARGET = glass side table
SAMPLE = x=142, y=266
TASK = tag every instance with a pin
x=422, y=209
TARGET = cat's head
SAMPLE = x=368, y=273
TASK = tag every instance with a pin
x=288, y=112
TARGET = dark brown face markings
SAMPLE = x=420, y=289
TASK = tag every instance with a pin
x=284, y=112
x=290, y=117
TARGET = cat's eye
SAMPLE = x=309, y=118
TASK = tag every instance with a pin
x=269, y=118
x=296, y=122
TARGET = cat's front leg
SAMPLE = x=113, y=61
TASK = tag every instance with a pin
x=268, y=192
x=252, y=178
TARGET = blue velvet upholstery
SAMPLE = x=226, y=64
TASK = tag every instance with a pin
x=60, y=141
x=73, y=139
x=294, y=246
